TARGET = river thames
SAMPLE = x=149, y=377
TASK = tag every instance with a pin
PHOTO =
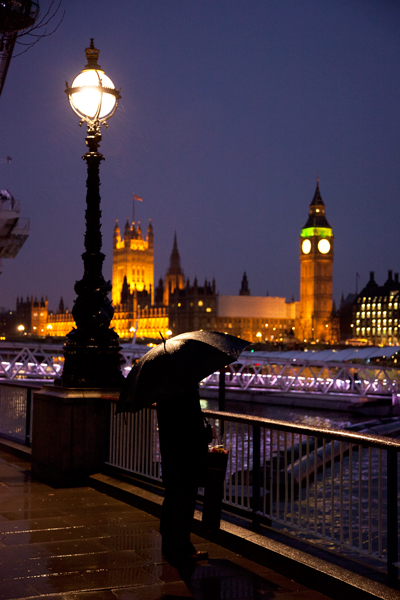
x=294, y=414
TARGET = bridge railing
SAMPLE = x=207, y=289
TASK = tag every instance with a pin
x=46, y=361
x=253, y=373
x=334, y=489
x=326, y=378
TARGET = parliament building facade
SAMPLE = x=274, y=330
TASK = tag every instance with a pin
x=175, y=304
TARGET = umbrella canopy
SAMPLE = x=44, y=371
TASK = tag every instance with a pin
x=176, y=365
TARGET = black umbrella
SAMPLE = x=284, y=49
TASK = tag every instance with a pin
x=177, y=365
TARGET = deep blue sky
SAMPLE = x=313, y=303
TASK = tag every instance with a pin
x=229, y=111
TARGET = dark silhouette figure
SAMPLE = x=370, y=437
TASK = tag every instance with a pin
x=184, y=446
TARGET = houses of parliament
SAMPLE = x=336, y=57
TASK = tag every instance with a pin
x=174, y=304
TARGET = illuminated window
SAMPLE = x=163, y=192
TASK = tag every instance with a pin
x=200, y=303
x=368, y=315
x=368, y=306
x=358, y=315
x=179, y=304
x=208, y=309
x=363, y=306
x=363, y=315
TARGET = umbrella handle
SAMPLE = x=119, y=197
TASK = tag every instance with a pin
x=164, y=342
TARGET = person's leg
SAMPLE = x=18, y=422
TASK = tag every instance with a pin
x=177, y=518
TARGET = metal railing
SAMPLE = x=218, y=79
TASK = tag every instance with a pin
x=16, y=407
x=253, y=374
x=332, y=488
x=263, y=374
x=45, y=361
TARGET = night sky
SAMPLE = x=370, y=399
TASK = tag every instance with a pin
x=229, y=111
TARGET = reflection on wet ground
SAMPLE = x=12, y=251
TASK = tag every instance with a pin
x=79, y=544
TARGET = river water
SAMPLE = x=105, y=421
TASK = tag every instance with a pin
x=294, y=414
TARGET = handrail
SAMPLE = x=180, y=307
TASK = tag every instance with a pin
x=377, y=441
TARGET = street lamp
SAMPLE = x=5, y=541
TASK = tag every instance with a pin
x=91, y=352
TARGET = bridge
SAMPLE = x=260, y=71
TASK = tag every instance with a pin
x=341, y=373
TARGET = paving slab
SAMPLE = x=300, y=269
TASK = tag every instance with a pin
x=81, y=544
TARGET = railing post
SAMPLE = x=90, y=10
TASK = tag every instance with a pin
x=221, y=397
x=392, y=516
x=28, y=416
x=256, y=474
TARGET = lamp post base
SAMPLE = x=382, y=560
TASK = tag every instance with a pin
x=69, y=434
x=91, y=362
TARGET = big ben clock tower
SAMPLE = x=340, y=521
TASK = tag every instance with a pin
x=316, y=262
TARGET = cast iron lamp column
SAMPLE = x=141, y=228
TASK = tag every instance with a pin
x=91, y=352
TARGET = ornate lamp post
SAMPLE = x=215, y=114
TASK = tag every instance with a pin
x=92, y=350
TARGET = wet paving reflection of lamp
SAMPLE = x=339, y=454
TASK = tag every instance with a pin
x=91, y=352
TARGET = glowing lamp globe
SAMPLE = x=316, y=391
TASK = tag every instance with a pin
x=92, y=95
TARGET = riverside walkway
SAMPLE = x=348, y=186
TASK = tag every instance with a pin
x=81, y=544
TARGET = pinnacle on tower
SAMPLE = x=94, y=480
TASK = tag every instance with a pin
x=317, y=216
x=244, y=290
x=175, y=260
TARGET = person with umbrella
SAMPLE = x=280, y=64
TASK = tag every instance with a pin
x=169, y=375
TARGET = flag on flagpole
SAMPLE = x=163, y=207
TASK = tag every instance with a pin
x=137, y=198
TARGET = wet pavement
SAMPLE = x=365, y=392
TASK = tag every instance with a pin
x=80, y=544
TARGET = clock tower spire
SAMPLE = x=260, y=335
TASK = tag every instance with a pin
x=316, y=262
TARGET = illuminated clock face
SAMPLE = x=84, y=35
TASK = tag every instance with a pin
x=306, y=246
x=324, y=246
